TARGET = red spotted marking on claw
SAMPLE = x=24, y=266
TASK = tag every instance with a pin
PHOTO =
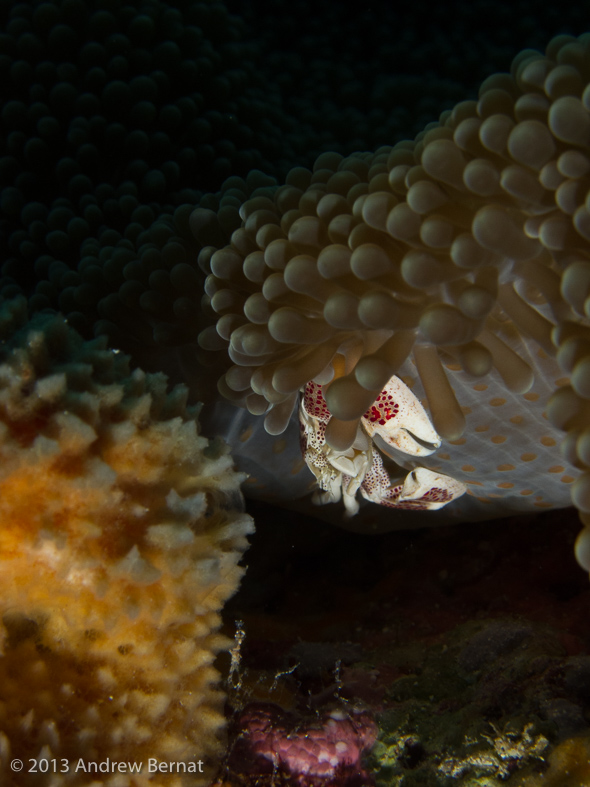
x=407, y=505
x=433, y=495
x=314, y=402
x=383, y=409
x=437, y=495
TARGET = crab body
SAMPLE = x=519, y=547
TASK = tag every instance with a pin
x=400, y=421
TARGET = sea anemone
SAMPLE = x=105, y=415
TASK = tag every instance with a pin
x=458, y=261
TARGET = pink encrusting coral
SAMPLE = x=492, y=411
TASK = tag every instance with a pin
x=323, y=752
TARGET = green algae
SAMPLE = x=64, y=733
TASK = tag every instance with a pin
x=467, y=710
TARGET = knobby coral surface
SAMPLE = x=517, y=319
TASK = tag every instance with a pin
x=120, y=534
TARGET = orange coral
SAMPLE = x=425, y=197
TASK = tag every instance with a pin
x=120, y=537
x=569, y=766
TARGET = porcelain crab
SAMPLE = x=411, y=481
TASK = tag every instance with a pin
x=398, y=420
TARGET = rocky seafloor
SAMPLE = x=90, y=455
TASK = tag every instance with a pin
x=463, y=652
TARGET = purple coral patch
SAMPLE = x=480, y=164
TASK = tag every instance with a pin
x=323, y=751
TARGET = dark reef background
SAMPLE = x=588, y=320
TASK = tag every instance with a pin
x=117, y=119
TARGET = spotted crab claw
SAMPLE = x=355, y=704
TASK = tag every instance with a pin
x=398, y=418
x=421, y=490
x=341, y=474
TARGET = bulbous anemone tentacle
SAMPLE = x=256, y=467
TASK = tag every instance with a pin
x=457, y=261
